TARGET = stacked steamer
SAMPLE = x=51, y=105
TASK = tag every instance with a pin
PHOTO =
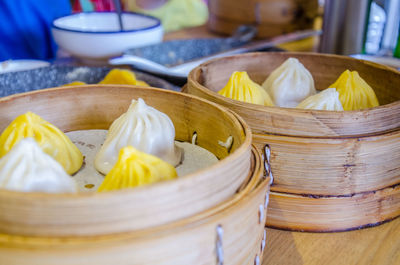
x=271, y=17
x=215, y=214
x=333, y=170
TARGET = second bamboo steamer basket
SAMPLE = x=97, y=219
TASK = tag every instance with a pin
x=230, y=233
x=93, y=213
x=271, y=17
x=320, y=154
x=211, y=76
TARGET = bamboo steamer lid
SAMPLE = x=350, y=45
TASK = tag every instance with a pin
x=95, y=107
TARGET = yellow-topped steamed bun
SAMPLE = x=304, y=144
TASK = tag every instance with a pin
x=354, y=92
x=122, y=77
x=51, y=140
x=135, y=168
x=75, y=83
x=241, y=87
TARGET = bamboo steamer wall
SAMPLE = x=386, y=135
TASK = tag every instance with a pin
x=349, y=158
x=272, y=17
x=231, y=232
x=95, y=107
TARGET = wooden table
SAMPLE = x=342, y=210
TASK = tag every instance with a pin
x=375, y=245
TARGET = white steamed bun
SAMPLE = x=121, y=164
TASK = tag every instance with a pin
x=27, y=168
x=327, y=99
x=144, y=128
x=289, y=84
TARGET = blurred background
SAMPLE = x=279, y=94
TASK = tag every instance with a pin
x=362, y=27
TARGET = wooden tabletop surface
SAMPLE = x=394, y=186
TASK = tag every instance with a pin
x=374, y=245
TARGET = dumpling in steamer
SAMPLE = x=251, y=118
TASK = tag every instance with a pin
x=122, y=77
x=327, y=99
x=135, y=168
x=51, y=139
x=354, y=92
x=289, y=84
x=27, y=168
x=241, y=87
x=144, y=128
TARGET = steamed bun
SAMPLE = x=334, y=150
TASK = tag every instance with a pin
x=327, y=99
x=51, y=139
x=134, y=168
x=144, y=128
x=241, y=87
x=354, y=92
x=122, y=77
x=289, y=84
x=27, y=168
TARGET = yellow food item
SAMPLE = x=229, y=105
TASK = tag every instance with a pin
x=75, y=83
x=241, y=87
x=122, y=77
x=354, y=92
x=174, y=14
x=135, y=168
x=51, y=140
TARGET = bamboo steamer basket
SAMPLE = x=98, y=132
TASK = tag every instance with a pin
x=231, y=233
x=211, y=76
x=271, y=17
x=95, y=107
x=319, y=154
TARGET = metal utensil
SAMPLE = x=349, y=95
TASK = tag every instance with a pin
x=117, y=4
x=182, y=70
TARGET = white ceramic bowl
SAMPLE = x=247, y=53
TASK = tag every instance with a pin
x=96, y=35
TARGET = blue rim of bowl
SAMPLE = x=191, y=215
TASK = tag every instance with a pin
x=107, y=32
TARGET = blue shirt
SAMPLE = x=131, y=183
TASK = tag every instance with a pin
x=25, y=28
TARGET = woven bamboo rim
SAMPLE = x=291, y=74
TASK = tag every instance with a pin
x=211, y=76
x=333, y=213
x=235, y=225
x=95, y=107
